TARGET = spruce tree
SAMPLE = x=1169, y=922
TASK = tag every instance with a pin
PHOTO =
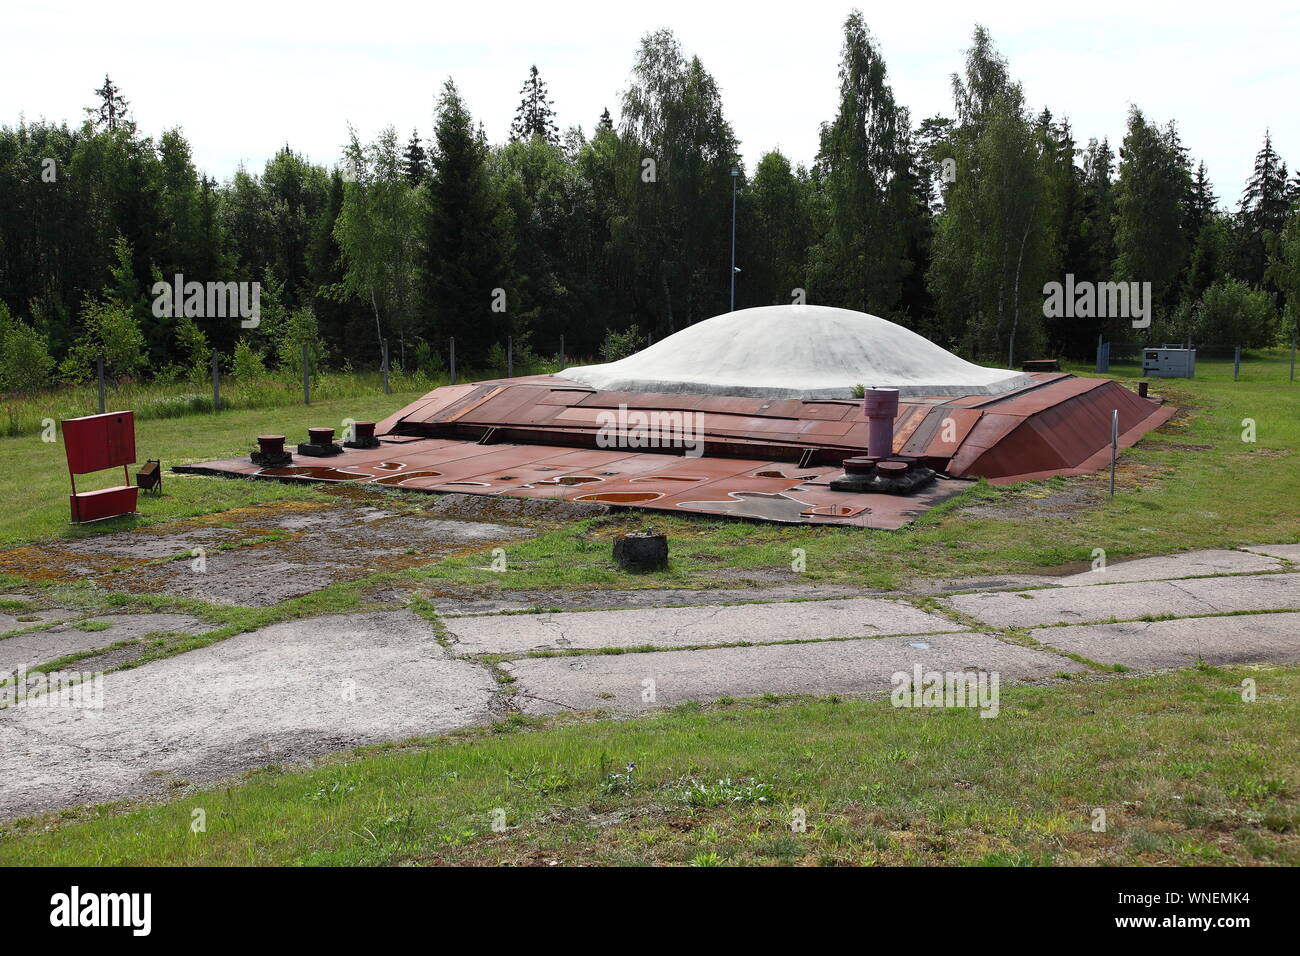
x=112, y=109
x=1264, y=204
x=535, y=116
x=415, y=161
x=468, y=238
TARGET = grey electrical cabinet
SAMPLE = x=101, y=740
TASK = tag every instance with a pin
x=1169, y=363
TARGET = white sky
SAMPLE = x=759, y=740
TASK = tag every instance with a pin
x=243, y=78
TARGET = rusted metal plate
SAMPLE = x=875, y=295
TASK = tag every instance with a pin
x=546, y=435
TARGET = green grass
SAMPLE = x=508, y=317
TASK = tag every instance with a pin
x=34, y=473
x=1192, y=484
x=1186, y=772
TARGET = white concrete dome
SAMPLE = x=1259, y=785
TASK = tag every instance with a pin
x=796, y=351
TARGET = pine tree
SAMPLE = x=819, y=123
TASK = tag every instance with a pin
x=415, y=161
x=1264, y=204
x=1201, y=202
x=535, y=116
x=112, y=109
x=469, y=248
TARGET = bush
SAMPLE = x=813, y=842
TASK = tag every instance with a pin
x=619, y=345
x=111, y=329
x=427, y=361
x=299, y=328
x=25, y=362
x=249, y=364
x=1233, y=313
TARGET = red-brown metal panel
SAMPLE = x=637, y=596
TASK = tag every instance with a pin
x=97, y=442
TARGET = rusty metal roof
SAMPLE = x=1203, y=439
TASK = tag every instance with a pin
x=761, y=458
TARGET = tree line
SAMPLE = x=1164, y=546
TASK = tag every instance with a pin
x=951, y=226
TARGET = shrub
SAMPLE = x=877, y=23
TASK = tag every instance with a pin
x=25, y=362
x=111, y=329
x=299, y=328
x=1233, y=313
x=249, y=364
x=619, y=345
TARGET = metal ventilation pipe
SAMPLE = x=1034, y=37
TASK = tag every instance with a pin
x=880, y=407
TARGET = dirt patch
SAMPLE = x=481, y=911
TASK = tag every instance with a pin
x=264, y=554
x=495, y=508
x=1038, y=501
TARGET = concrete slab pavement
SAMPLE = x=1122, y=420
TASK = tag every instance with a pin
x=554, y=684
x=41, y=647
x=1240, y=639
x=287, y=693
x=685, y=626
x=1189, y=564
x=1102, y=602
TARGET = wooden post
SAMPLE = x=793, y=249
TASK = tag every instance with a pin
x=562, y=350
x=1293, y=357
x=216, y=382
x=510, y=356
x=1114, y=447
x=99, y=370
x=1236, y=362
x=306, y=376
x=384, y=345
x=451, y=347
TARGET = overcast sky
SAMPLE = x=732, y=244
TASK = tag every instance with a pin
x=244, y=78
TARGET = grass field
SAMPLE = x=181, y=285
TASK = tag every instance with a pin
x=1185, y=771
x=1172, y=498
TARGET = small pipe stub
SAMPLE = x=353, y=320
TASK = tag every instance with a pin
x=363, y=436
x=320, y=444
x=880, y=407
x=270, y=452
x=863, y=465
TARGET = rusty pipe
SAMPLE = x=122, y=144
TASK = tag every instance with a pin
x=880, y=408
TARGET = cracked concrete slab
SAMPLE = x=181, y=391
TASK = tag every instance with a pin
x=283, y=694
x=17, y=619
x=1080, y=605
x=621, y=599
x=554, y=684
x=1190, y=564
x=40, y=647
x=1253, y=638
x=685, y=626
x=1289, y=552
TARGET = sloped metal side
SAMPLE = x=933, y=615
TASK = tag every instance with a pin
x=1068, y=437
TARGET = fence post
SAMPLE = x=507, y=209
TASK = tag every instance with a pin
x=1114, y=447
x=510, y=356
x=306, y=376
x=562, y=350
x=452, y=349
x=216, y=382
x=1236, y=361
x=99, y=371
x=384, y=346
x=1293, y=356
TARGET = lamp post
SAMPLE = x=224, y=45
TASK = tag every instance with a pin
x=735, y=174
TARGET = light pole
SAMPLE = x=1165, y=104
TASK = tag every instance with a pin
x=735, y=174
